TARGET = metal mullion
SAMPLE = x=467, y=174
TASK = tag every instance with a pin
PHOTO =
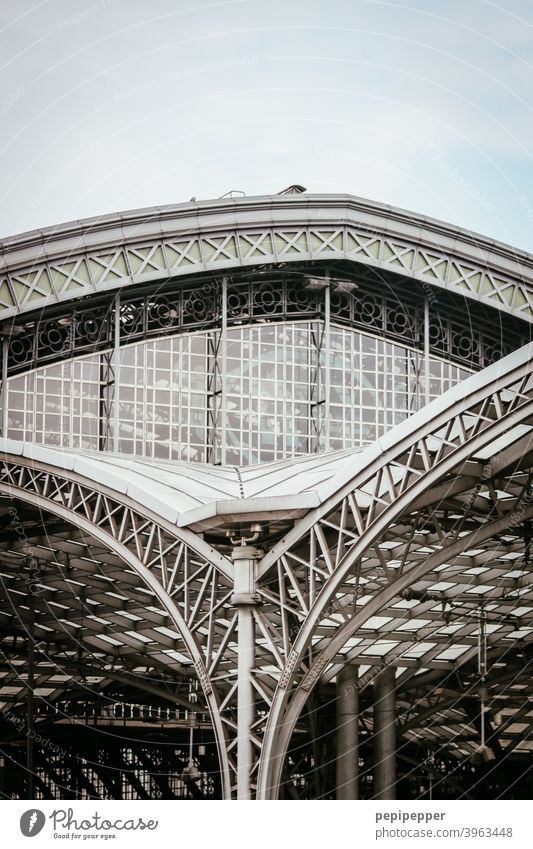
x=117, y=354
x=327, y=364
x=5, y=388
x=212, y=406
x=224, y=371
x=70, y=405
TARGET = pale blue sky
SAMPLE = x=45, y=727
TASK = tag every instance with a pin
x=115, y=104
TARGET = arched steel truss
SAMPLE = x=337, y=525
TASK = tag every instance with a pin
x=396, y=536
x=171, y=563
x=401, y=488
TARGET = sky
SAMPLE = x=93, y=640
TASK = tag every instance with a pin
x=120, y=104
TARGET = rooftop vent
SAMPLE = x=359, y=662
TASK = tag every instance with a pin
x=293, y=190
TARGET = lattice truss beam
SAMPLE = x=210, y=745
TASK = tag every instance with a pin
x=32, y=278
x=391, y=569
x=146, y=609
x=155, y=604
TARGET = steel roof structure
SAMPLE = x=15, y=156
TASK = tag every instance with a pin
x=265, y=582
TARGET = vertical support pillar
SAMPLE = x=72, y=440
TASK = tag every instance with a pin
x=30, y=696
x=347, y=710
x=385, y=735
x=320, y=377
x=213, y=390
x=223, y=371
x=327, y=364
x=426, y=350
x=108, y=423
x=107, y=386
x=245, y=702
x=244, y=598
x=116, y=394
x=217, y=353
x=316, y=401
x=5, y=355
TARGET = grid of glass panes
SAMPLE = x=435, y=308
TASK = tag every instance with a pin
x=442, y=376
x=375, y=384
x=370, y=389
x=163, y=397
x=57, y=405
x=268, y=392
x=270, y=404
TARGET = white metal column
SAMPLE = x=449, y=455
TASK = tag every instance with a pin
x=244, y=558
x=426, y=350
x=5, y=354
x=116, y=393
x=223, y=371
x=327, y=365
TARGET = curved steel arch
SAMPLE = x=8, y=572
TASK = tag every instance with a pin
x=285, y=713
x=61, y=264
x=445, y=436
x=140, y=544
x=39, y=463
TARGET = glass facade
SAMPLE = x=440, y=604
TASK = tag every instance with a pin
x=278, y=379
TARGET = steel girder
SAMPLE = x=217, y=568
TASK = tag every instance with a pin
x=452, y=480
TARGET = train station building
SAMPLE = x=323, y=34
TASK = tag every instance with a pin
x=266, y=505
